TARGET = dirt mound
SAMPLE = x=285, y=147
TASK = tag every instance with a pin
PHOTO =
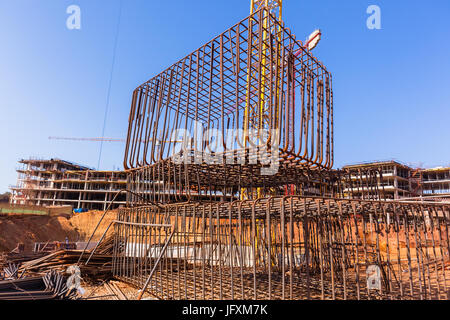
x=84, y=223
x=34, y=229
x=31, y=229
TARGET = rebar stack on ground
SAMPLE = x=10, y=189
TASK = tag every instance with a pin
x=99, y=265
x=51, y=286
x=42, y=276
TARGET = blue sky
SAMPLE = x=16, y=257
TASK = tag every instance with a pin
x=391, y=86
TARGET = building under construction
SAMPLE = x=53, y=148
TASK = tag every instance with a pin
x=57, y=182
x=435, y=182
x=214, y=219
x=393, y=179
x=396, y=181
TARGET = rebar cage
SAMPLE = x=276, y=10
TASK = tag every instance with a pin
x=167, y=182
x=213, y=226
x=255, y=76
x=289, y=247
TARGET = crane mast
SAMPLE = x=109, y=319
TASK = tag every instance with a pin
x=275, y=7
x=257, y=116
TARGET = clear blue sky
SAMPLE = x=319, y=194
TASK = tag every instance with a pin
x=391, y=86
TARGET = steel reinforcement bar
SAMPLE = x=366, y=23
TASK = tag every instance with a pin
x=168, y=182
x=288, y=247
x=253, y=76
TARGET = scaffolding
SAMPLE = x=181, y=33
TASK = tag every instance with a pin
x=57, y=182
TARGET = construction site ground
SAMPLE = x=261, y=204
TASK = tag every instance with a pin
x=28, y=229
x=112, y=290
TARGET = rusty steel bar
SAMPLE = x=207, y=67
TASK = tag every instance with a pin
x=167, y=182
x=290, y=247
x=251, y=76
x=304, y=231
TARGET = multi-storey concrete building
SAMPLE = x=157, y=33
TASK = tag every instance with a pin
x=388, y=180
x=435, y=182
x=58, y=182
x=393, y=180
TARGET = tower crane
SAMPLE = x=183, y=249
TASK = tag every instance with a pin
x=88, y=139
x=257, y=116
x=101, y=139
x=253, y=121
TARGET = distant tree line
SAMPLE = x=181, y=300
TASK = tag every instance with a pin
x=5, y=197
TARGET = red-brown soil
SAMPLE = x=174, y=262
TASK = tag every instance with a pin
x=31, y=229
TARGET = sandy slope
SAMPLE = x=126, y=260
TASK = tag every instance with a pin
x=30, y=229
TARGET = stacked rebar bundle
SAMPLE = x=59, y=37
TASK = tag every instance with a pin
x=51, y=286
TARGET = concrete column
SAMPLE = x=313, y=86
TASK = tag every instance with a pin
x=395, y=183
x=82, y=194
x=106, y=200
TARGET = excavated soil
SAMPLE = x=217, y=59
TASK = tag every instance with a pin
x=85, y=223
x=31, y=229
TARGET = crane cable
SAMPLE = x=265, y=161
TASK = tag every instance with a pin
x=110, y=83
